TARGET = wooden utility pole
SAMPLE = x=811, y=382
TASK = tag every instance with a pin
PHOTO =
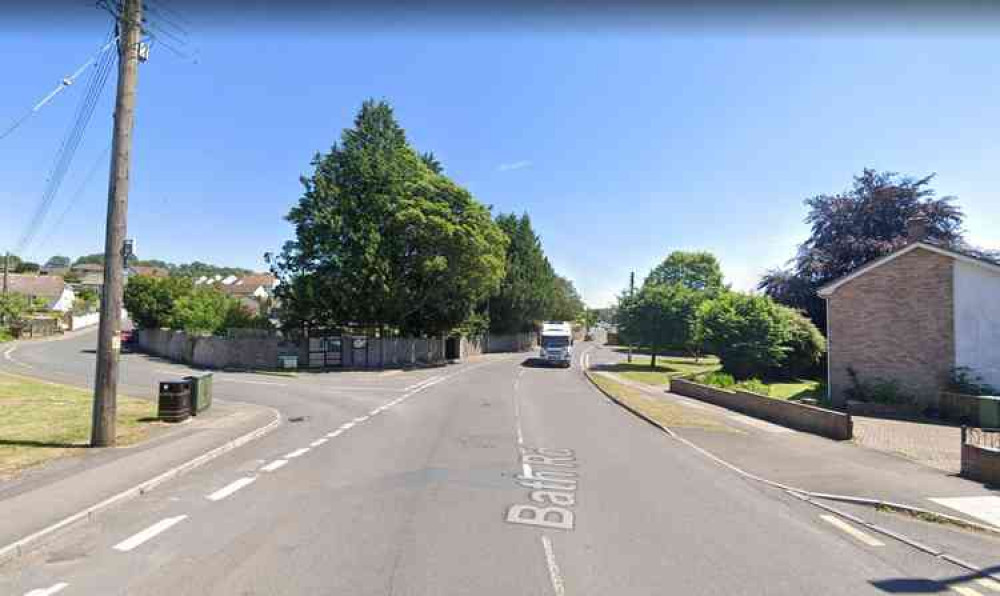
x=109, y=334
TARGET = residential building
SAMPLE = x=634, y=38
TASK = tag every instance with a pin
x=56, y=293
x=912, y=317
x=250, y=290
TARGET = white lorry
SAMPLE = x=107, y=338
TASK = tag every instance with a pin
x=557, y=343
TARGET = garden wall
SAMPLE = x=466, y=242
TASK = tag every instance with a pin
x=981, y=464
x=810, y=419
x=371, y=352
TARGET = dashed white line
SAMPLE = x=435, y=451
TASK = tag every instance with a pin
x=346, y=426
x=274, y=465
x=297, y=453
x=150, y=532
x=318, y=442
x=558, y=587
x=360, y=419
x=230, y=488
x=851, y=530
x=333, y=434
x=48, y=591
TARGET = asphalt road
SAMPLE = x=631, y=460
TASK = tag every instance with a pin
x=423, y=482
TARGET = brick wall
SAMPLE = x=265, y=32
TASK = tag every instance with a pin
x=895, y=322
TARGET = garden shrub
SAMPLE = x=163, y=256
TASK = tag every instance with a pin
x=748, y=333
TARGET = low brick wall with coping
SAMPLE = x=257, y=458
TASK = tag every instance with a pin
x=810, y=419
x=979, y=462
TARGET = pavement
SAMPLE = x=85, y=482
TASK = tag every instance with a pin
x=486, y=477
x=932, y=444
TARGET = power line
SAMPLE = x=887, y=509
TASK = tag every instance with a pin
x=67, y=149
x=63, y=84
x=75, y=196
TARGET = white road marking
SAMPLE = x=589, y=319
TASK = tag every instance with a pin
x=346, y=426
x=274, y=465
x=230, y=488
x=558, y=587
x=991, y=584
x=360, y=419
x=7, y=354
x=335, y=433
x=297, y=453
x=984, y=508
x=850, y=530
x=318, y=442
x=964, y=591
x=48, y=591
x=150, y=532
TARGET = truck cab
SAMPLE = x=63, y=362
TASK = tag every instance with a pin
x=556, y=343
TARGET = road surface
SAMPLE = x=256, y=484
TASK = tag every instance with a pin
x=436, y=482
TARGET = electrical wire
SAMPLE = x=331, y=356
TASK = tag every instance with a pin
x=70, y=143
x=75, y=197
x=63, y=84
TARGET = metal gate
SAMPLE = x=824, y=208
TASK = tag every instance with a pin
x=326, y=351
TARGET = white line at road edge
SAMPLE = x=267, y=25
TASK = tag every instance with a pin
x=847, y=528
x=318, y=442
x=297, y=453
x=48, y=591
x=278, y=463
x=558, y=587
x=18, y=548
x=230, y=488
x=150, y=532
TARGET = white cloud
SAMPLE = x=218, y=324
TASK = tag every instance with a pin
x=517, y=165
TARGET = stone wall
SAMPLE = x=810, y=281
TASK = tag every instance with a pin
x=810, y=419
x=208, y=351
x=895, y=322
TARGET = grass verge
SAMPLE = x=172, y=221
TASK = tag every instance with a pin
x=667, y=367
x=663, y=411
x=42, y=421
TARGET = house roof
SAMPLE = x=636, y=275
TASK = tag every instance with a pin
x=46, y=286
x=830, y=288
x=88, y=267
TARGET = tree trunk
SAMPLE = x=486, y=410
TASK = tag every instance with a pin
x=652, y=360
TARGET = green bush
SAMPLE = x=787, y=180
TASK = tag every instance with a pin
x=150, y=301
x=805, y=346
x=748, y=333
x=717, y=379
x=204, y=310
x=964, y=380
x=878, y=391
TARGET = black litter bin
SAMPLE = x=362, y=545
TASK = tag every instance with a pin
x=175, y=401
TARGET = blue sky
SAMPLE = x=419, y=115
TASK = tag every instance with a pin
x=622, y=145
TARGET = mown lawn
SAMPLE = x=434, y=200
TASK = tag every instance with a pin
x=667, y=413
x=666, y=368
x=799, y=389
x=41, y=421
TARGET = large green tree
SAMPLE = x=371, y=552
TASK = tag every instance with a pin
x=383, y=240
x=662, y=317
x=566, y=302
x=698, y=271
x=852, y=228
x=527, y=290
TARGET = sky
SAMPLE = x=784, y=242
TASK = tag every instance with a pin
x=623, y=142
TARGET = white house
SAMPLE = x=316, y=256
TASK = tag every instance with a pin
x=58, y=295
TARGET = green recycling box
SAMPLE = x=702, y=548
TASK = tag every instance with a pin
x=201, y=393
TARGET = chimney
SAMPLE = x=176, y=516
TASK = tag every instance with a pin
x=916, y=228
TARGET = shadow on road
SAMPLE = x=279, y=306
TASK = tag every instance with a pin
x=907, y=585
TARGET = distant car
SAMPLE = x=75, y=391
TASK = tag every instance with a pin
x=128, y=340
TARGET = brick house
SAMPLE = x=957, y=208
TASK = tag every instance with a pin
x=912, y=316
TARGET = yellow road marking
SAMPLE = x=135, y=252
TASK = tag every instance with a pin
x=851, y=530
